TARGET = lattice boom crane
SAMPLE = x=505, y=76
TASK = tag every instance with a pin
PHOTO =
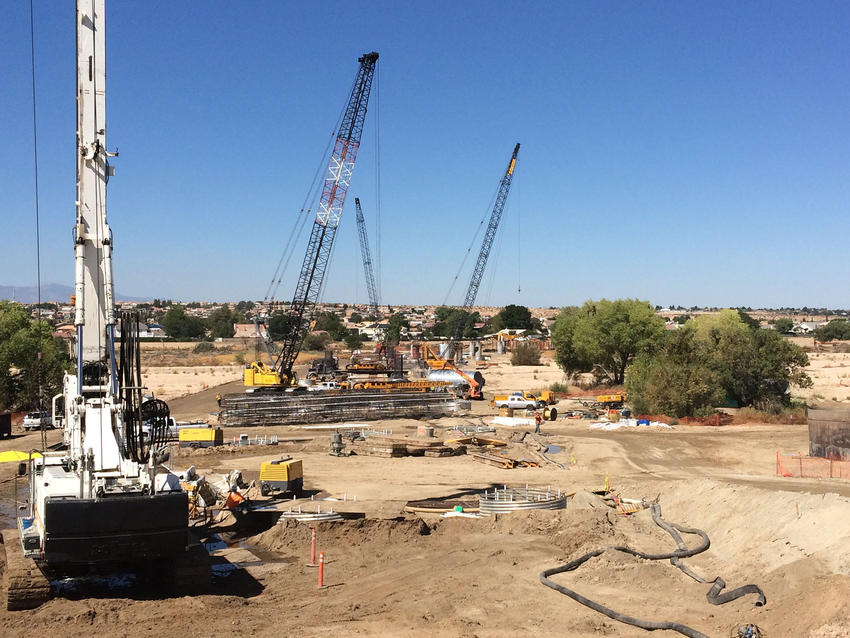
x=367, y=259
x=486, y=246
x=323, y=232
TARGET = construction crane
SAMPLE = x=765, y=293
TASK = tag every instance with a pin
x=367, y=259
x=106, y=498
x=453, y=348
x=322, y=234
x=452, y=352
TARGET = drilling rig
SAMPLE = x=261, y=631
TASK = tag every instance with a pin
x=322, y=234
x=105, y=500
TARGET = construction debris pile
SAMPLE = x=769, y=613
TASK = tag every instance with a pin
x=289, y=408
x=389, y=447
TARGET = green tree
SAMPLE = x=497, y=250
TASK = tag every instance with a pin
x=837, y=329
x=332, y=324
x=756, y=366
x=316, y=341
x=280, y=325
x=603, y=337
x=678, y=380
x=220, y=322
x=353, y=341
x=513, y=316
x=179, y=325
x=712, y=358
x=395, y=324
x=748, y=321
x=783, y=325
x=451, y=321
x=244, y=306
x=494, y=324
x=28, y=380
x=356, y=317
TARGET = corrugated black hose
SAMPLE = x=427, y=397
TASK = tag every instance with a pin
x=714, y=596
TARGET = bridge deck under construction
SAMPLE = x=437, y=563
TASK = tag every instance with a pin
x=283, y=408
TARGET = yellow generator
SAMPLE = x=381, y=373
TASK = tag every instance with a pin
x=283, y=475
x=618, y=398
x=200, y=437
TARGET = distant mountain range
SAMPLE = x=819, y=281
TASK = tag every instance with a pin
x=57, y=293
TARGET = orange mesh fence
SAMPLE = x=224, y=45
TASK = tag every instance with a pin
x=801, y=466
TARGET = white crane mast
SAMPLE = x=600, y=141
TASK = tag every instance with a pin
x=95, y=312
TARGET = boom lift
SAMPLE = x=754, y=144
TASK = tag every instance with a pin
x=106, y=499
x=337, y=179
x=453, y=349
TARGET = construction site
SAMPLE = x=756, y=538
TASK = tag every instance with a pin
x=393, y=486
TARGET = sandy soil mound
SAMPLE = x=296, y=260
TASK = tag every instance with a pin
x=764, y=530
x=294, y=536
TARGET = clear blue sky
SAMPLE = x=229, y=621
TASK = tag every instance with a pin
x=680, y=152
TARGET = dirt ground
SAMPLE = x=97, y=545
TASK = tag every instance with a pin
x=830, y=373
x=392, y=574
x=395, y=574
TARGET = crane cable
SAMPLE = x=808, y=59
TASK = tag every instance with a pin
x=497, y=255
x=298, y=227
x=518, y=231
x=40, y=359
x=469, y=248
x=303, y=214
x=377, y=89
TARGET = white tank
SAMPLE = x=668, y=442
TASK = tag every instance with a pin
x=454, y=377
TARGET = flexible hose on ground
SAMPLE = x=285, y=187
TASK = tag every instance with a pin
x=714, y=596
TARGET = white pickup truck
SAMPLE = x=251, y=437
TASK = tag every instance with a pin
x=34, y=420
x=323, y=386
x=517, y=402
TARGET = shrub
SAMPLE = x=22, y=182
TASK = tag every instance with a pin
x=525, y=354
x=558, y=386
x=203, y=346
x=317, y=342
x=353, y=341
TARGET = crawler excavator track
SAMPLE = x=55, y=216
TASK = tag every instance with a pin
x=24, y=584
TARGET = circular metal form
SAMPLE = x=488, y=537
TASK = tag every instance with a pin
x=515, y=499
x=310, y=517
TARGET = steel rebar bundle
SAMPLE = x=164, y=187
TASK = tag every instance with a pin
x=279, y=408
